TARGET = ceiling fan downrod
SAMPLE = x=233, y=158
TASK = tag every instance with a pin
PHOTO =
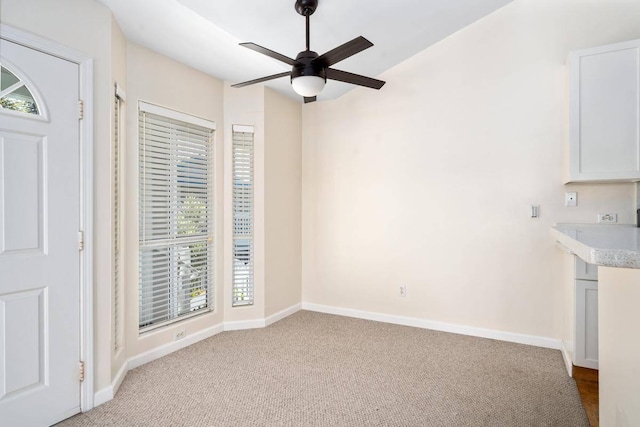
x=306, y=9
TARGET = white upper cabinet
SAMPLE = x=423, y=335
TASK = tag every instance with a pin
x=604, y=113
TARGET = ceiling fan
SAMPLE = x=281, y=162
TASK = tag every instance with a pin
x=310, y=71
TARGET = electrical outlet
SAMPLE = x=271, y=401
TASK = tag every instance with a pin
x=571, y=199
x=178, y=335
x=402, y=291
x=608, y=217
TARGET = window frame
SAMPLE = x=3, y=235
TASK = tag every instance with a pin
x=43, y=111
x=249, y=253
x=118, y=308
x=211, y=239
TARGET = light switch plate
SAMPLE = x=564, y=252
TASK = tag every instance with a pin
x=534, y=211
x=571, y=199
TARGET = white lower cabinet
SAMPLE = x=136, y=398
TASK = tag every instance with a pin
x=586, y=310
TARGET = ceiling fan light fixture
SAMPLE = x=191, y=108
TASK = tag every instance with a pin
x=308, y=86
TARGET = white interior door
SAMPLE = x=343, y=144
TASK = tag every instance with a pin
x=39, y=224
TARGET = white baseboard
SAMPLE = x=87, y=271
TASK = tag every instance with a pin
x=244, y=324
x=169, y=348
x=437, y=326
x=261, y=323
x=566, y=356
x=117, y=381
x=107, y=393
x=102, y=396
x=282, y=314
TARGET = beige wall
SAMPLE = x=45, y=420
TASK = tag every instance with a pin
x=159, y=80
x=283, y=216
x=277, y=212
x=427, y=182
x=84, y=26
x=277, y=206
x=619, y=346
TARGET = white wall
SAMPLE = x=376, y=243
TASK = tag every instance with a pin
x=84, y=25
x=283, y=204
x=159, y=80
x=427, y=182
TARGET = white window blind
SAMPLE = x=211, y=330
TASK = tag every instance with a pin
x=117, y=220
x=242, y=215
x=176, y=216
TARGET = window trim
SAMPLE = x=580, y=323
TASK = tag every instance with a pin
x=176, y=115
x=168, y=113
x=251, y=300
x=117, y=210
x=43, y=110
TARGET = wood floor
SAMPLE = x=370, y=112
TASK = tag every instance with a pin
x=587, y=382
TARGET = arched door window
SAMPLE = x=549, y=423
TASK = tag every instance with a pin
x=14, y=94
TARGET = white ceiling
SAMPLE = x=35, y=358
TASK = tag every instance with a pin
x=204, y=34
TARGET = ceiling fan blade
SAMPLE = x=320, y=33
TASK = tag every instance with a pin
x=263, y=79
x=270, y=53
x=308, y=99
x=343, y=51
x=355, y=79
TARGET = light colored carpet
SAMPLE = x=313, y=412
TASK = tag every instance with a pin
x=314, y=369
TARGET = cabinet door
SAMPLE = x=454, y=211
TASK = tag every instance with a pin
x=584, y=270
x=586, y=340
x=604, y=111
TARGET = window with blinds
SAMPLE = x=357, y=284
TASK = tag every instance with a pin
x=117, y=219
x=176, y=216
x=242, y=215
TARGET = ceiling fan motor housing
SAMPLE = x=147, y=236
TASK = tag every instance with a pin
x=306, y=7
x=307, y=67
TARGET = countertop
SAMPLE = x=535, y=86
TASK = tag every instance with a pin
x=607, y=245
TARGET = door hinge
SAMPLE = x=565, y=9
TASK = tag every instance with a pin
x=80, y=109
x=80, y=240
x=81, y=371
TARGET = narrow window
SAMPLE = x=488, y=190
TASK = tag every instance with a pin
x=117, y=216
x=176, y=216
x=242, y=215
